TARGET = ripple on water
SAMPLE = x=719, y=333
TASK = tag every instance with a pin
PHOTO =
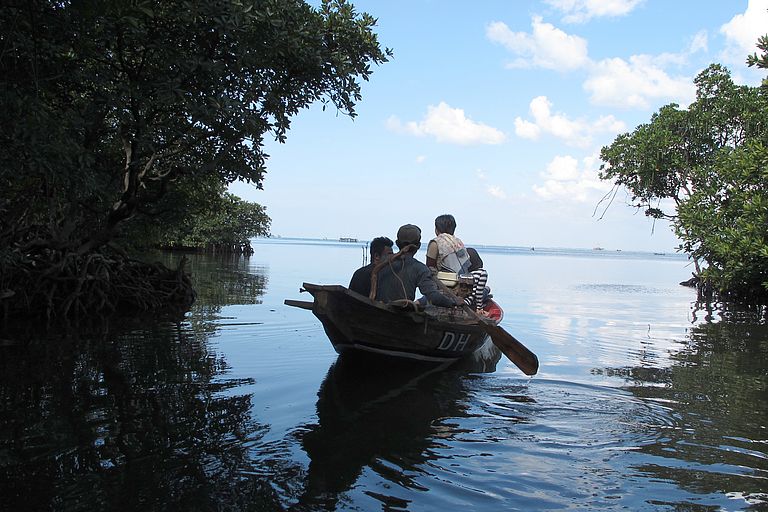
x=546, y=444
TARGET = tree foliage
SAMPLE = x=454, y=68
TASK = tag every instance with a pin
x=227, y=226
x=704, y=168
x=761, y=61
x=118, y=117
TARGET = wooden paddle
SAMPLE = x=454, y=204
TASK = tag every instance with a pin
x=509, y=346
x=515, y=351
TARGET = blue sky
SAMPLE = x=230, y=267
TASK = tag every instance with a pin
x=495, y=111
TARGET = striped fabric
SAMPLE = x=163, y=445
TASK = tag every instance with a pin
x=481, y=279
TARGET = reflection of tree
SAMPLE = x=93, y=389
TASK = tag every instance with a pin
x=379, y=415
x=730, y=312
x=717, y=390
x=220, y=280
x=138, y=419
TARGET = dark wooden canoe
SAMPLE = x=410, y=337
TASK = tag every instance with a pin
x=356, y=323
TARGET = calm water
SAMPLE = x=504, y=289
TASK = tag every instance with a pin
x=644, y=401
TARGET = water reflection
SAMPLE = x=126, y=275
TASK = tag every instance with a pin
x=243, y=408
x=382, y=418
x=737, y=313
x=717, y=389
x=220, y=280
x=134, y=415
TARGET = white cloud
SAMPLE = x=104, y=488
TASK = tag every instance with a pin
x=632, y=84
x=566, y=178
x=420, y=159
x=644, y=79
x=545, y=47
x=526, y=129
x=575, y=133
x=449, y=125
x=699, y=42
x=496, y=191
x=580, y=11
x=637, y=82
x=743, y=30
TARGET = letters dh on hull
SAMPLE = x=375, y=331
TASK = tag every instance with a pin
x=356, y=323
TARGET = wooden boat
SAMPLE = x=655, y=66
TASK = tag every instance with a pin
x=354, y=322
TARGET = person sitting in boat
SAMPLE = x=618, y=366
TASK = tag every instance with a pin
x=399, y=279
x=480, y=292
x=446, y=252
x=381, y=248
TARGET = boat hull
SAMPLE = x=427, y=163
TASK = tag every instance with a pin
x=355, y=323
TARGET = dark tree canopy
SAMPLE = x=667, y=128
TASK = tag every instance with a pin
x=117, y=115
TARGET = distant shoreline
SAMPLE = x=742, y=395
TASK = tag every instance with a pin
x=499, y=249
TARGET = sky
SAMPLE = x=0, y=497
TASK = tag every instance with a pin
x=495, y=111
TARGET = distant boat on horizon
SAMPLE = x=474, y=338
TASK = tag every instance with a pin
x=347, y=239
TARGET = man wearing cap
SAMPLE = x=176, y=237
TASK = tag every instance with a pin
x=401, y=277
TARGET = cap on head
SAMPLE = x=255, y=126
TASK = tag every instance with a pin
x=409, y=234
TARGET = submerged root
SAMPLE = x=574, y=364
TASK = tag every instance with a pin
x=64, y=285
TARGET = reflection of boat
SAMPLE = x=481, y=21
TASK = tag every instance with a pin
x=374, y=417
x=356, y=323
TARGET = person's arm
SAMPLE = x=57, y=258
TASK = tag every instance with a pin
x=428, y=287
x=432, y=254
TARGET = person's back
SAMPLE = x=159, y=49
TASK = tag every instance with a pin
x=400, y=278
x=446, y=252
x=381, y=247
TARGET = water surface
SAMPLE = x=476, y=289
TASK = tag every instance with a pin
x=644, y=400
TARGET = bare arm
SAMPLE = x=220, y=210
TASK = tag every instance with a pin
x=432, y=254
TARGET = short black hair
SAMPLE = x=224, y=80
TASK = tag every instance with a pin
x=475, y=261
x=378, y=244
x=445, y=223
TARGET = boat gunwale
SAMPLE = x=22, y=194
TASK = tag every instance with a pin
x=465, y=321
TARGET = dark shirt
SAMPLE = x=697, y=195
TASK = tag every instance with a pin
x=361, y=280
x=400, y=280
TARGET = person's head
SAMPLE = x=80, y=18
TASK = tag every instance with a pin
x=409, y=235
x=445, y=224
x=475, y=261
x=381, y=247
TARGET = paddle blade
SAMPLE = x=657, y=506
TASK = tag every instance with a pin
x=513, y=349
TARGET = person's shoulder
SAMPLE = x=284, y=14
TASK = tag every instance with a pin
x=420, y=265
x=365, y=269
